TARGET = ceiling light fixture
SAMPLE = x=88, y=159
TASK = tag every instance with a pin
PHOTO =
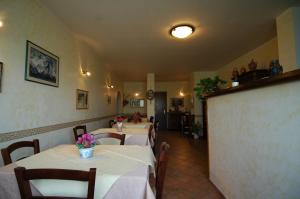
x=182, y=31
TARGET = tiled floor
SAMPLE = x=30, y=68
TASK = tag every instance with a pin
x=187, y=171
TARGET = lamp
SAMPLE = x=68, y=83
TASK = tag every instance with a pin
x=85, y=72
x=182, y=31
x=110, y=86
x=181, y=93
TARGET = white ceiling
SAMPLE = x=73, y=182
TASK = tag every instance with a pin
x=131, y=36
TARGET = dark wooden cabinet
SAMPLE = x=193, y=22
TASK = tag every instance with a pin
x=174, y=121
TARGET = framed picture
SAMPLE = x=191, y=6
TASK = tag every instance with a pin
x=41, y=65
x=1, y=71
x=137, y=103
x=82, y=99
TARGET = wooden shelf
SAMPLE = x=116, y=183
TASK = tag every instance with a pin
x=269, y=81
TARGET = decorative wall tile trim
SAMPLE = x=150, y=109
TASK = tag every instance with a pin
x=4, y=137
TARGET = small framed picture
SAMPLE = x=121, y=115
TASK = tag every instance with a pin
x=1, y=71
x=41, y=65
x=82, y=99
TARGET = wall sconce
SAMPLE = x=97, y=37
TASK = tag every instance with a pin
x=85, y=72
x=136, y=94
x=181, y=93
x=1, y=24
x=110, y=86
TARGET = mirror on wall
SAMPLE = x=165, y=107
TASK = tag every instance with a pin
x=137, y=103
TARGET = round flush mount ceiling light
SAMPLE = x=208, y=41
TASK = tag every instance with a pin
x=182, y=31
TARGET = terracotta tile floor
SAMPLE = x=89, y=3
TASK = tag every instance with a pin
x=187, y=171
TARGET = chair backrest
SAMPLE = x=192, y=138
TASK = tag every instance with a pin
x=121, y=137
x=77, y=130
x=25, y=175
x=152, y=138
x=151, y=119
x=8, y=150
x=111, y=123
x=150, y=132
x=161, y=168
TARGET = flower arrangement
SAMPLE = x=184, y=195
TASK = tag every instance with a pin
x=86, y=141
x=136, y=117
x=120, y=118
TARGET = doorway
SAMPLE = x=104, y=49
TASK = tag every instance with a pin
x=161, y=109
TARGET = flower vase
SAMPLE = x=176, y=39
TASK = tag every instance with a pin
x=86, y=153
x=119, y=126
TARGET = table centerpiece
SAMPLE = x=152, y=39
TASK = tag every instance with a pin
x=119, y=122
x=85, y=144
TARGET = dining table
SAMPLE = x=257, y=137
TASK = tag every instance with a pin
x=137, y=125
x=134, y=136
x=122, y=172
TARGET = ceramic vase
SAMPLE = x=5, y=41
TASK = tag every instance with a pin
x=86, y=153
x=119, y=126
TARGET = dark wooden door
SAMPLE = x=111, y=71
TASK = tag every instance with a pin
x=161, y=109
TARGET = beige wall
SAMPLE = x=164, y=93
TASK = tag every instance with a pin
x=173, y=88
x=25, y=104
x=130, y=88
x=254, y=142
x=262, y=55
x=288, y=28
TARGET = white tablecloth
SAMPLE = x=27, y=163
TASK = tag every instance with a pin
x=126, y=164
x=134, y=136
x=137, y=125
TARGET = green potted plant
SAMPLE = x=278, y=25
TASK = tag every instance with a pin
x=207, y=86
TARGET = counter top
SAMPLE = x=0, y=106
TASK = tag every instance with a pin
x=270, y=81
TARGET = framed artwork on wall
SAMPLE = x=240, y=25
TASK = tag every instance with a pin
x=82, y=99
x=41, y=65
x=137, y=103
x=1, y=71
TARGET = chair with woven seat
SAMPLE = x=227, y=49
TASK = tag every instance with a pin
x=120, y=137
x=79, y=131
x=6, y=152
x=161, y=167
x=24, y=176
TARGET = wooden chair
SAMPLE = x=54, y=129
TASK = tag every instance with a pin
x=25, y=175
x=151, y=138
x=121, y=137
x=161, y=168
x=111, y=123
x=76, y=130
x=8, y=150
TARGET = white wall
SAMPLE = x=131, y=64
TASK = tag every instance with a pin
x=254, y=142
x=26, y=105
